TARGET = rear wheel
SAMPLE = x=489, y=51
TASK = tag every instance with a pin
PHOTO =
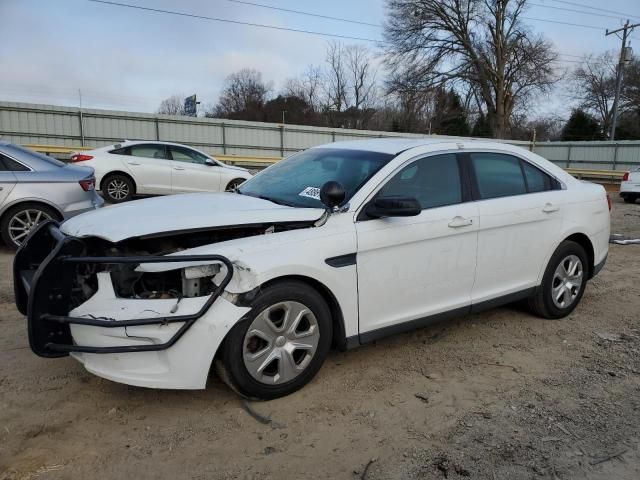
x=563, y=283
x=18, y=222
x=118, y=188
x=629, y=199
x=233, y=184
x=280, y=344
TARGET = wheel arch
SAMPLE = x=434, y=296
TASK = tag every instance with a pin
x=106, y=176
x=339, y=339
x=584, y=241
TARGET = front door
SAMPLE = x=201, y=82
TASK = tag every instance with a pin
x=191, y=172
x=412, y=269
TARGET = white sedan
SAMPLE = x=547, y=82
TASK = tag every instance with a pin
x=341, y=244
x=630, y=186
x=157, y=168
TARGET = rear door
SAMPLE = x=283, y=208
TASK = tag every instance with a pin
x=520, y=209
x=191, y=172
x=7, y=178
x=150, y=167
x=413, y=268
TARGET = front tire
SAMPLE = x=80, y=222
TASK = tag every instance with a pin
x=280, y=345
x=564, y=282
x=118, y=188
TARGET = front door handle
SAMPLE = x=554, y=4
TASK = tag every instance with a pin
x=178, y=168
x=550, y=208
x=133, y=163
x=458, y=222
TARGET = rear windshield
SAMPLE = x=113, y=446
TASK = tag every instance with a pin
x=24, y=154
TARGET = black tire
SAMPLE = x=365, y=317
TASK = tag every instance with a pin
x=542, y=303
x=230, y=363
x=118, y=188
x=8, y=224
x=233, y=184
x=629, y=199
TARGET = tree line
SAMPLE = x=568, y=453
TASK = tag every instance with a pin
x=447, y=67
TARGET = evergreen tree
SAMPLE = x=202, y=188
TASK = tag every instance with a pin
x=582, y=126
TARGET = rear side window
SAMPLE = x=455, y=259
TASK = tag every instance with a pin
x=121, y=151
x=8, y=164
x=434, y=181
x=537, y=180
x=498, y=175
x=148, y=151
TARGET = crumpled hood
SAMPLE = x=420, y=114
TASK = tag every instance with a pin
x=182, y=212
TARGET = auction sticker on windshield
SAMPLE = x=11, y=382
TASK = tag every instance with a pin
x=311, y=192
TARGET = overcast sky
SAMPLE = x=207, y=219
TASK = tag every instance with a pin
x=127, y=59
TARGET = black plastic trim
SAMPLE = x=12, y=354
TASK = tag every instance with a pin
x=598, y=268
x=341, y=260
x=41, y=299
x=373, y=335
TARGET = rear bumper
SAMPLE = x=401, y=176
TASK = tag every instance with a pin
x=87, y=205
x=627, y=188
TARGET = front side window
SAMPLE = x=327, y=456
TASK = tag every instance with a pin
x=498, y=175
x=296, y=180
x=434, y=181
x=148, y=151
x=182, y=154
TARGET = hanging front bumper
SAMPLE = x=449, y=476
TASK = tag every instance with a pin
x=44, y=271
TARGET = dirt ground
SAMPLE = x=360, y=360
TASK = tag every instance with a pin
x=500, y=395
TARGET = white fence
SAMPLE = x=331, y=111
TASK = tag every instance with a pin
x=24, y=123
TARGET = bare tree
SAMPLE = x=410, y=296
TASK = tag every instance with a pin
x=174, y=105
x=482, y=43
x=594, y=85
x=336, y=78
x=243, y=96
x=362, y=76
x=308, y=86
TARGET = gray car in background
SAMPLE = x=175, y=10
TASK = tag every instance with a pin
x=34, y=188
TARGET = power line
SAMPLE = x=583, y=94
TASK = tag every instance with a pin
x=236, y=22
x=309, y=14
x=569, y=10
x=594, y=8
x=594, y=27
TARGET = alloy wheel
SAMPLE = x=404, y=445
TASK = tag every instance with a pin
x=567, y=281
x=118, y=189
x=23, y=222
x=280, y=342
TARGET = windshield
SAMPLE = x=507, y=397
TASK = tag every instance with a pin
x=296, y=180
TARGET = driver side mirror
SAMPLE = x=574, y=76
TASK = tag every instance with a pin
x=393, y=206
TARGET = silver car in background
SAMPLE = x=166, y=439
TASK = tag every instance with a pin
x=34, y=188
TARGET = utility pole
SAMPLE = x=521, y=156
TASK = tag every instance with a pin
x=625, y=56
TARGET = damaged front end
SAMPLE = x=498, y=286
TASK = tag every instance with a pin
x=54, y=274
x=71, y=287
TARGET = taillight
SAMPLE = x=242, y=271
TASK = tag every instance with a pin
x=609, y=201
x=625, y=177
x=79, y=157
x=88, y=184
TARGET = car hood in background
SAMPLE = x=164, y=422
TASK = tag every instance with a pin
x=193, y=211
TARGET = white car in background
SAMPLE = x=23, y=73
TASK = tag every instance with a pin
x=157, y=168
x=630, y=186
x=341, y=244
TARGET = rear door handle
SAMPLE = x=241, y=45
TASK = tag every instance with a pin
x=550, y=208
x=178, y=168
x=458, y=222
x=133, y=163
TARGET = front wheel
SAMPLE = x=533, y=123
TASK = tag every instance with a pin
x=279, y=345
x=563, y=283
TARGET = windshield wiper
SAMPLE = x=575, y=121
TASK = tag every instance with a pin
x=269, y=199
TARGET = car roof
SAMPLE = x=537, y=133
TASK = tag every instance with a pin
x=125, y=143
x=396, y=145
